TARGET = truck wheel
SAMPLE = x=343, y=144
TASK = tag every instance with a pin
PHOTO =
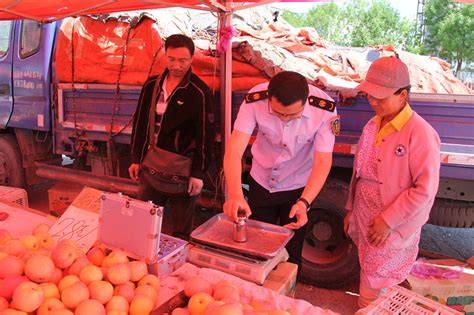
x=12, y=172
x=329, y=258
x=452, y=213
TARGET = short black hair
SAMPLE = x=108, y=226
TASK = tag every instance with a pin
x=408, y=88
x=288, y=87
x=180, y=40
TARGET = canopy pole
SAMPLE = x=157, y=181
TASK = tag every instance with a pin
x=225, y=19
x=226, y=82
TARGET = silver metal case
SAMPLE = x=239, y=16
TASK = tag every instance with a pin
x=172, y=255
x=131, y=225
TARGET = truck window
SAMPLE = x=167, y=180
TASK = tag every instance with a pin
x=5, y=31
x=30, y=37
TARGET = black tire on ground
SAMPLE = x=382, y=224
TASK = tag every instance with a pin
x=452, y=213
x=329, y=259
x=12, y=172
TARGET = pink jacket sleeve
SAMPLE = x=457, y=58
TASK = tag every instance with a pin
x=413, y=205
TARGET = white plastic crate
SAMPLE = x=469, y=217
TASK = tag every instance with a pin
x=14, y=194
x=398, y=300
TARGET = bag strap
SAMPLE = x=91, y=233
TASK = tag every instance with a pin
x=152, y=114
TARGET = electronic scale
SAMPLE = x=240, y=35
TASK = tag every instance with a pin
x=213, y=246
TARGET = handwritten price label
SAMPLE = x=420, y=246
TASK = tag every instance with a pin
x=78, y=225
x=80, y=222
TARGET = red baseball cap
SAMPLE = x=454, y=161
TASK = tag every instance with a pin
x=385, y=76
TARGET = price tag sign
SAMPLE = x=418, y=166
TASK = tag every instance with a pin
x=80, y=222
x=78, y=225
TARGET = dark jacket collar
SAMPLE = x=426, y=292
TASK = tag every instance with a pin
x=184, y=82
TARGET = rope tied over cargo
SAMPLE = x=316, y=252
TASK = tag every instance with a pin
x=117, y=83
x=153, y=61
x=73, y=87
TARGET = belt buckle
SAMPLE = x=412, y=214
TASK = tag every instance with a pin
x=152, y=171
x=175, y=178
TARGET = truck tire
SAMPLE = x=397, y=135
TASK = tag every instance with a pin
x=329, y=259
x=452, y=213
x=12, y=172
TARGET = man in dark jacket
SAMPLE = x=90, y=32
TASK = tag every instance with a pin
x=184, y=124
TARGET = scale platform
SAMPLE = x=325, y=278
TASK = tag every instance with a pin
x=247, y=268
x=253, y=260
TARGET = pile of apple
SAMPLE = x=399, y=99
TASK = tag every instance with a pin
x=38, y=276
x=223, y=298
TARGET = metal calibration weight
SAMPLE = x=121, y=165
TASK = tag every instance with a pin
x=240, y=227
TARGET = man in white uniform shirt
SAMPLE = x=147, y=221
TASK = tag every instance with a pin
x=292, y=153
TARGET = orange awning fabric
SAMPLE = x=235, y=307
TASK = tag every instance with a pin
x=52, y=10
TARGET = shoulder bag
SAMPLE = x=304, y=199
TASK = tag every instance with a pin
x=166, y=171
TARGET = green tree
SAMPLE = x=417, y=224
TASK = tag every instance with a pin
x=434, y=13
x=357, y=23
x=376, y=22
x=295, y=19
x=450, y=31
x=326, y=20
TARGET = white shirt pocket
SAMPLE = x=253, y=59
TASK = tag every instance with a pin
x=269, y=135
x=302, y=139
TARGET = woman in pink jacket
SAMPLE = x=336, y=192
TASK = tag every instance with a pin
x=394, y=183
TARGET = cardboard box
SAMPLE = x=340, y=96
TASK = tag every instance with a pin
x=14, y=194
x=455, y=293
x=282, y=279
x=61, y=195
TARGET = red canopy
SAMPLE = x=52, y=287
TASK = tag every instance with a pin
x=51, y=10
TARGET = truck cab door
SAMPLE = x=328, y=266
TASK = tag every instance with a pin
x=6, y=68
x=32, y=75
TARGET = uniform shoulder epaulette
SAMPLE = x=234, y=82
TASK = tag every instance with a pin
x=256, y=96
x=321, y=103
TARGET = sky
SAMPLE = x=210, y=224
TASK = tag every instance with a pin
x=407, y=8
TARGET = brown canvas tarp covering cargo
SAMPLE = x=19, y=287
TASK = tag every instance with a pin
x=99, y=48
x=258, y=53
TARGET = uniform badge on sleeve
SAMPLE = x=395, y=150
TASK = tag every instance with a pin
x=336, y=125
x=400, y=150
x=256, y=96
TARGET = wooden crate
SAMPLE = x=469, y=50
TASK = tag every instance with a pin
x=61, y=195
